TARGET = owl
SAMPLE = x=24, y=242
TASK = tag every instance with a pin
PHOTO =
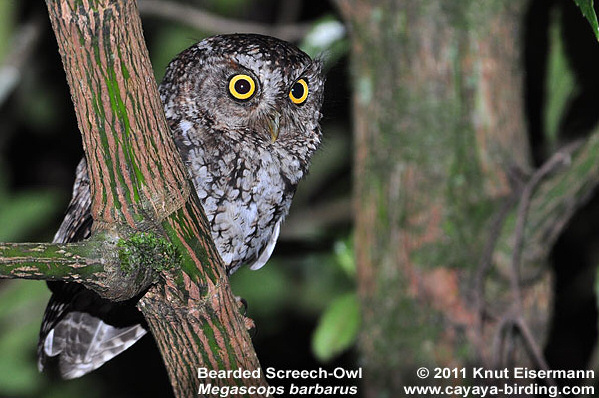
x=244, y=111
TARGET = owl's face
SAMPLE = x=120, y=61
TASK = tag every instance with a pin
x=252, y=89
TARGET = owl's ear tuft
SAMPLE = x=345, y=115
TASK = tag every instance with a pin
x=317, y=65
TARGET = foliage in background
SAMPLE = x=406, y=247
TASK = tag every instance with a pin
x=587, y=9
x=339, y=324
x=22, y=302
x=316, y=286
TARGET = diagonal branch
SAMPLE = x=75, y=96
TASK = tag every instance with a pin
x=126, y=138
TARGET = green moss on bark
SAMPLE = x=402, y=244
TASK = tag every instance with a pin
x=146, y=249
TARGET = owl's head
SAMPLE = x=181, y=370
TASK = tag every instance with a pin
x=246, y=87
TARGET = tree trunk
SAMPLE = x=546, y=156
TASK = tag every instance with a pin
x=445, y=189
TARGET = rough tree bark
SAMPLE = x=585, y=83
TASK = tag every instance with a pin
x=150, y=232
x=453, y=223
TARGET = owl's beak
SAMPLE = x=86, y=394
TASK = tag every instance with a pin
x=273, y=126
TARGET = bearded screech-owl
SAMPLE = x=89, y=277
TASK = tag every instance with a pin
x=244, y=111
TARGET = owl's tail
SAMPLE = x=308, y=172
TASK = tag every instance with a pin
x=85, y=331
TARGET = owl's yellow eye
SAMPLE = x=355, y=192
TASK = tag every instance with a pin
x=299, y=92
x=242, y=87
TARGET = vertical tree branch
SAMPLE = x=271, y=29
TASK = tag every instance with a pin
x=114, y=93
x=138, y=183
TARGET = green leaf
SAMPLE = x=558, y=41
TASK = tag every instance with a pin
x=586, y=6
x=344, y=254
x=338, y=327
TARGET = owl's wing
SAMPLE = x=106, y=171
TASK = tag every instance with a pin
x=268, y=249
x=77, y=221
x=81, y=328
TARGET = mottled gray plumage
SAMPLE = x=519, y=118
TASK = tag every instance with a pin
x=244, y=180
x=246, y=145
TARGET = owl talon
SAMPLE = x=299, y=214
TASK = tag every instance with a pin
x=242, y=304
x=250, y=325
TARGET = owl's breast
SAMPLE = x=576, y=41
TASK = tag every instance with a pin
x=245, y=194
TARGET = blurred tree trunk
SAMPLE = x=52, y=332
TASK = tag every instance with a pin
x=446, y=191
